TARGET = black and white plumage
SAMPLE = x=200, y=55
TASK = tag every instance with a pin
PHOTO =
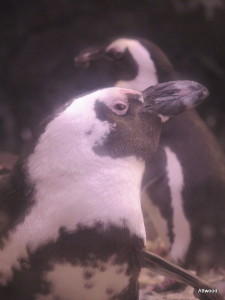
x=184, y=185
x=73, y=225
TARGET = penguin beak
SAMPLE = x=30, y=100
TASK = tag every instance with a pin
x=171, y=98
x=88, y=55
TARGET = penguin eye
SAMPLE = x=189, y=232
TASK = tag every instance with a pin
x=120, y=108
x=118, y=54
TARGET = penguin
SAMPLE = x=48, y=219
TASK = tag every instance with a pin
x=74, y=226
x=184, y=185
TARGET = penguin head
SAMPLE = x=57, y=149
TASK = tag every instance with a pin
x=112, y=122
x=132, y=63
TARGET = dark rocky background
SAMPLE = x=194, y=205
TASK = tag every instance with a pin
x=40, y=38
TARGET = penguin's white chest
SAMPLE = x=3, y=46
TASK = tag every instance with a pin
x=102, y=280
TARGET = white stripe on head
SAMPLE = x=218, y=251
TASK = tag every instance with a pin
x=147, y=74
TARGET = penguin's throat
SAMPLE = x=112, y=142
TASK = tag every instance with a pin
x=111, y=195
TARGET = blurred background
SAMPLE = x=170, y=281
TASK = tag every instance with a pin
x=39, y=40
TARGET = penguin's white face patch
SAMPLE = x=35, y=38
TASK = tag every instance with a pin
x=118, y=47
x=146, y=74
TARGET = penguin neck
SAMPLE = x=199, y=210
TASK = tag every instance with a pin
x=107, y=191
x=147, y=73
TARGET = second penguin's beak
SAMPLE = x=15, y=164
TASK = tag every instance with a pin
x=88, y=55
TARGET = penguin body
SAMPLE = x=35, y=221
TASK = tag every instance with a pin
x=184, y=185
x=72, y=222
